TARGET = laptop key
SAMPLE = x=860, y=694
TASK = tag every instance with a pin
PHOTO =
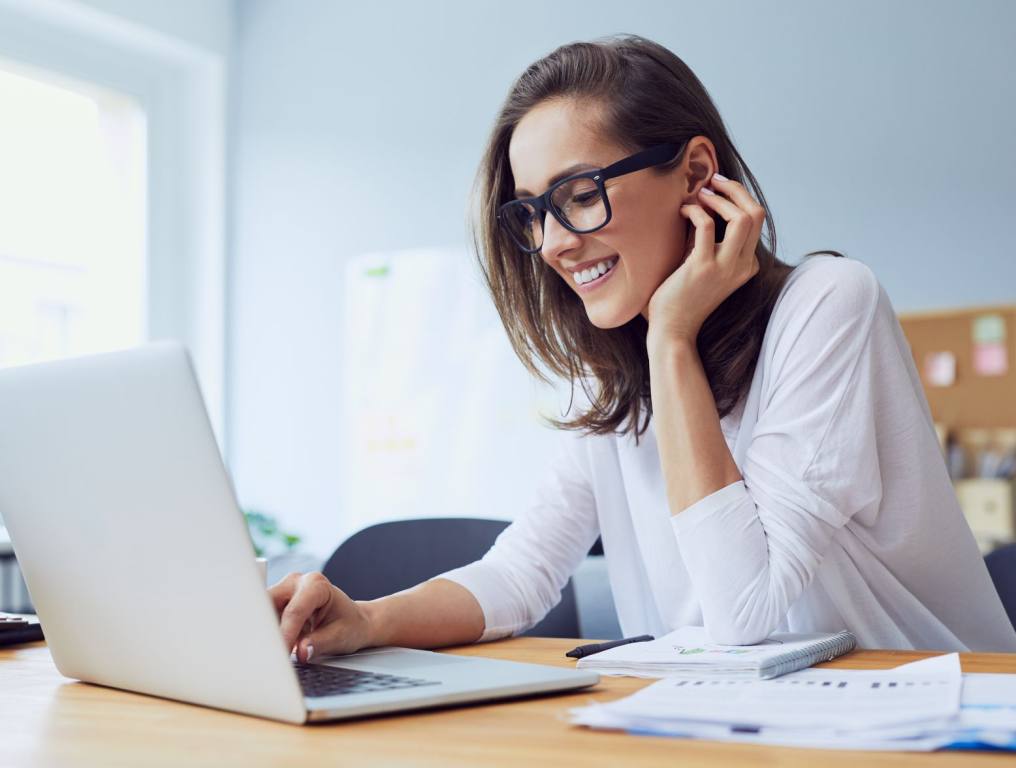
x=323, y=680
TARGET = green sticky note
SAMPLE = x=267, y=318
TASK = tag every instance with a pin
x=989, y=328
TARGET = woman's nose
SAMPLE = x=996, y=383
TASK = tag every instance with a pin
x=557, y=239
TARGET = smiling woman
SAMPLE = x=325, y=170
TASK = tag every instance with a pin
x=757, y=454
x=590, y=105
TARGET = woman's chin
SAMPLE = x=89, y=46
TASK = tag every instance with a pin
x=606, y=316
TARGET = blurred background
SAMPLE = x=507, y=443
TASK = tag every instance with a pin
x=283, y=185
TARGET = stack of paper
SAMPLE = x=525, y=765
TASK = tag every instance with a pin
x=921, y=706
x=689, y=651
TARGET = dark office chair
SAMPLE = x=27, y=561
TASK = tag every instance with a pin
x=1002, y=567
x=389, y=557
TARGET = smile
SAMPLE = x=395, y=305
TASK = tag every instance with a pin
x=595, y=274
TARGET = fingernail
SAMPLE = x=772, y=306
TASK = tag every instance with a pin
x=310, y=651
x=706, y=191
x=718, y=177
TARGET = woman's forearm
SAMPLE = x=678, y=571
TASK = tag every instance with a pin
x=433, y=614
x=694, y=456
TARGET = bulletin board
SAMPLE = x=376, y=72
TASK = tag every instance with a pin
x=967, y=361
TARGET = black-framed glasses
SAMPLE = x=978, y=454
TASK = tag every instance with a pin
x=578, y=202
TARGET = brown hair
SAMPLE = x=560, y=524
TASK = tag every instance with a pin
x=648, y=96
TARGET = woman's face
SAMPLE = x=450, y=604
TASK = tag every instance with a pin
x=645, y=237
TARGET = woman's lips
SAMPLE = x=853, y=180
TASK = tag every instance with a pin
x=597, y=282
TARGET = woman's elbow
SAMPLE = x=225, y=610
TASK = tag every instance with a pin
x=731, y=634
x=729, y=626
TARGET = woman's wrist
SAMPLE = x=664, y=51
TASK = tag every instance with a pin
x=374, y=622
x=662, y=342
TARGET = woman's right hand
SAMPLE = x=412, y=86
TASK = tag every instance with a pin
x=317, y=618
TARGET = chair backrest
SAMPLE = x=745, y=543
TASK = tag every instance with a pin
x=1002, y=567
x=392, y=556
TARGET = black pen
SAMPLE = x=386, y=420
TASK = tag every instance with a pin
x=588, y=650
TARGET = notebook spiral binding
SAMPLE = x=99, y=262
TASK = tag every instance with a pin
x=825, y=650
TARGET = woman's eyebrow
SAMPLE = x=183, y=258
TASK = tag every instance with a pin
x=558, y=176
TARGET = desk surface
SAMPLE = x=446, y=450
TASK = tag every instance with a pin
x=46, y=719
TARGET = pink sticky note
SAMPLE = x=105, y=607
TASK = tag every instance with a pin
x=990, y=359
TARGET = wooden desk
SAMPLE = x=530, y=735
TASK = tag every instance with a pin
x=47, y=720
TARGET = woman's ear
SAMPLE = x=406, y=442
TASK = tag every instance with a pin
x=697, y=166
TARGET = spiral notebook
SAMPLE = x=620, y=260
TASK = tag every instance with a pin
x=688, y=651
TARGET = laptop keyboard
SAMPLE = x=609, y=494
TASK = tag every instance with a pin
x=323, y=680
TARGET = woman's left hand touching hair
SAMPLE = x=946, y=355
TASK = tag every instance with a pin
x=711, y=271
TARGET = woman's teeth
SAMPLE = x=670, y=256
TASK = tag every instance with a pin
x=587, y=275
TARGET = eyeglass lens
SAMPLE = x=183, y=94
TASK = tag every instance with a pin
x=578, y=203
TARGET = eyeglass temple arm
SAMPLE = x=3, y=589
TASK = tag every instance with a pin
x=649, y=157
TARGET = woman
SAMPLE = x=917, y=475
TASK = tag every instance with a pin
x=757, y=453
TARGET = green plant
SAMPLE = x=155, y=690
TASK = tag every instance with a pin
x=265, y=531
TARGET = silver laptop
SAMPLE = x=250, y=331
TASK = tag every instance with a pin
x=140, y=566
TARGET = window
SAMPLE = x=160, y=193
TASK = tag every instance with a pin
x=72, y=218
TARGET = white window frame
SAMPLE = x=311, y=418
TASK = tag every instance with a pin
x=182, y=89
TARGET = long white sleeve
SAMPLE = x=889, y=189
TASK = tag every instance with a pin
x=753, y=547
x=520, y=578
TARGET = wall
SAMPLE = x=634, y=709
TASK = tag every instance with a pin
x=205, y=24
x=883, y=130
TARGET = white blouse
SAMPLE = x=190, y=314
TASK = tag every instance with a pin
x=845, y=517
